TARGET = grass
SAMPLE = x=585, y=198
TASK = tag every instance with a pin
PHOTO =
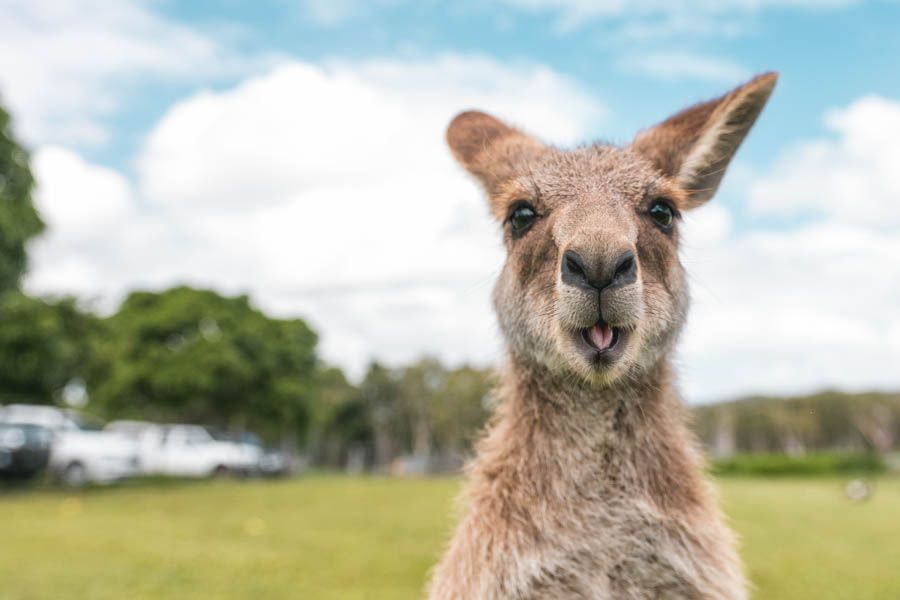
x=329, y=537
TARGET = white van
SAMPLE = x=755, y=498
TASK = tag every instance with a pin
x=187, y=450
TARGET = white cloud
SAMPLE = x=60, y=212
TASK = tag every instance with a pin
x=852, y=177
x=98, y=242
x=795, y=311
x=78, y=200
x=305, y=127
x=65, y=66
x=676, y=66
x=324, y=191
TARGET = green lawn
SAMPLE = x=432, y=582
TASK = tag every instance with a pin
x=326, y=537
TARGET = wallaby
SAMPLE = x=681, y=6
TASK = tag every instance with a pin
x=588, y=483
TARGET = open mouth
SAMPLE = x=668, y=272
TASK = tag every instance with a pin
x=601, y=337
x=603, y=342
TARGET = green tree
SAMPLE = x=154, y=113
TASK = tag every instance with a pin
x=419, y=386
x=379, y=391
x=827, y=421
x=340, y=421
x=19, y=221
x=188, y=354
x=441, y=410
x=44, y=345
x=462, y=409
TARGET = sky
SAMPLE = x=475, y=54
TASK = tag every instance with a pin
x=294, y=151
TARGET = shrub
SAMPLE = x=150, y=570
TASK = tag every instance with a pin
x=830, y=463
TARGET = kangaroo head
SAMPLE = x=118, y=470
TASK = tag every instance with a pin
x=592, y=283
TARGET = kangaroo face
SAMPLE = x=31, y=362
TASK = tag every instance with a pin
x=592, y=284
x=592, y=281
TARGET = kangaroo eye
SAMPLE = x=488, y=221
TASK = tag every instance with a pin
x=521, y=217
x=662, y=213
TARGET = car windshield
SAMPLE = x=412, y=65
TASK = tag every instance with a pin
x=248, y=438
x=218, y=434
x=85, y=422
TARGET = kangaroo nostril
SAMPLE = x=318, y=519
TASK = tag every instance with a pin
x=626, y=268
x=573, y=264
x=573, y=269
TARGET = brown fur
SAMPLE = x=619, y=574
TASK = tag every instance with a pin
x=588, y=483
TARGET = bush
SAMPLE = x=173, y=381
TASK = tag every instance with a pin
x=810, y=464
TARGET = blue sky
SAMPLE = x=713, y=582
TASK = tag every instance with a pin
x=827, y=55
x=293, y=151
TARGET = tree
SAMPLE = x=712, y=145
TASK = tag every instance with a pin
x=44, y=345
x=827, y=421
x=418, y=388
x=380, y=395
x=442, y=409
x=425, y=410
x=188, y=354
x=340, y=424
x=462, y=409
x=19, y=221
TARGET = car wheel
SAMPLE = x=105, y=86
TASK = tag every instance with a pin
x=75, y=475
x=221, y=472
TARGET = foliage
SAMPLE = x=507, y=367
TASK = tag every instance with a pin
x=187, y=354
x=462, y=408
x=826, y=421
x=19, y=221
x=379, y=392
x=826, y=463
x=339, y=421
x=424, y=410
x=43, y=347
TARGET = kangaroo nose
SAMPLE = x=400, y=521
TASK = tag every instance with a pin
x=598, y=274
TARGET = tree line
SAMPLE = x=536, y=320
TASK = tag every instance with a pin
x=191, y=355
x=826, y=421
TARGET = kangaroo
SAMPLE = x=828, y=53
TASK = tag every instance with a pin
x=587, y=483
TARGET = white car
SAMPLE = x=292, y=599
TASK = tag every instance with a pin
x=187, y=450
x=80, y=451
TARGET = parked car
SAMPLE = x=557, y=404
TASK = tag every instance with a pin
x=80, y=452
x=24, y=450
x=187, y=450
x=271, y=463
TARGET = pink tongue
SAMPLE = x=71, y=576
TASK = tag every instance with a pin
x=601, y=336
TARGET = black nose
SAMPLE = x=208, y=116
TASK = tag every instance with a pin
x=598, y=274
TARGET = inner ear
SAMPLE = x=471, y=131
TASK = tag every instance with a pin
x=696, y=145
x=488, y=148
x=470, y=133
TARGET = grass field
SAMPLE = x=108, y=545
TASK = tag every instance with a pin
x=330, y=537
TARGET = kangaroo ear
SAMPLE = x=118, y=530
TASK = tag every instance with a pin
x=488, y=148
x=696, y=145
